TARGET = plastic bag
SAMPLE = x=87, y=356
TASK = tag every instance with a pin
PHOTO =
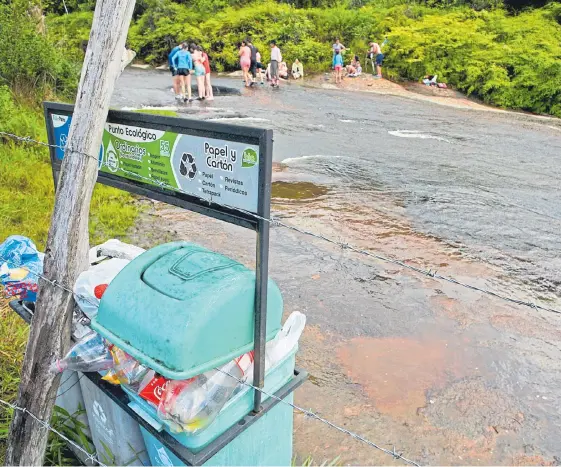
x=192, y=405
x=91, y=284
x=284, y=342
x=20, y=264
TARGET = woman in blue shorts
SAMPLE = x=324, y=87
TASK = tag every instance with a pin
x=198, y=62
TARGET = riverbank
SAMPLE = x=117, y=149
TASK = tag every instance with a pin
x=444, y=374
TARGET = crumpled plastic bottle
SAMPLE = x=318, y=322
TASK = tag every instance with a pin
x=89, y=354
x=126, y=370
x=192, y=405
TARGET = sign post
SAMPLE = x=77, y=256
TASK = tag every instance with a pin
x=222, y=171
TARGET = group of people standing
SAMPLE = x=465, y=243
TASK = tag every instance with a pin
x=374, y=54
x=252, y=68
x=186, y=59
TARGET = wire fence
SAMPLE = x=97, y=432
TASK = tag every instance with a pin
x=275, y=222
x=89, y=456
x=308, y=413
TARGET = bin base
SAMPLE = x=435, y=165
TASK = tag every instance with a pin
x=116, y=435
x=268, y=441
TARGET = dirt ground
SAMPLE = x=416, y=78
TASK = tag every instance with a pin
x=410, y=90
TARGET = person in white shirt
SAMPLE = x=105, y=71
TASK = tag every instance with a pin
x=276, y=59
x=338, y=47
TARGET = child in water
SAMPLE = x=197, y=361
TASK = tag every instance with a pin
x=338, y=66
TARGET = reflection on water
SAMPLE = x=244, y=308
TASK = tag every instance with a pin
x=297, y=190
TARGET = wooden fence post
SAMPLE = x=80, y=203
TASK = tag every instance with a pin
x=67, y=244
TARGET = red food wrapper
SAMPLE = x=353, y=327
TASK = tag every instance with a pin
x=99, y=290
x=154, y=390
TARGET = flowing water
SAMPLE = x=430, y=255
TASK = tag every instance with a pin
x=455, y=376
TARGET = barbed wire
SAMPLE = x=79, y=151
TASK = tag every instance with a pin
x=310, y=414
x=276, y=222
x=307, y=412
x=89, y=456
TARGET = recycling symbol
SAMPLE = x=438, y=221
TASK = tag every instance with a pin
x=99, y=413
x=187, y=166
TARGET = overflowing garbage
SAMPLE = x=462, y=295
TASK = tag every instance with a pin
x=184, y=406
x=20, y=264
x=189, y=405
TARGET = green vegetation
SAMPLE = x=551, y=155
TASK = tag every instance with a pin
x=32, y=68
x=506, y=58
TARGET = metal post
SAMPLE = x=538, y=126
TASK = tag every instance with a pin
x=262, y=267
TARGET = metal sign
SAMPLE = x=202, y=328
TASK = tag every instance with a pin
x=222, y=171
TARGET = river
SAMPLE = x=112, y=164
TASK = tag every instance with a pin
x=446, y=374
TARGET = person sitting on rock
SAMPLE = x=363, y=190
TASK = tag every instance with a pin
x=297, y=70
x=283, y=71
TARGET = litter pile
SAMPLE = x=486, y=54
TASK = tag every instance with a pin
x=431, y=80
x=20, y=262
x=189, y=405
x=183, y=405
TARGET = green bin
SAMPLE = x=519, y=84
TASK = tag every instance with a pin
x=183, y=310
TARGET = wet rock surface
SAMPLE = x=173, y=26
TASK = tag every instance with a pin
x=445, y=374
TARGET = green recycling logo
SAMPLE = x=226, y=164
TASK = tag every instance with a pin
x=249, y=157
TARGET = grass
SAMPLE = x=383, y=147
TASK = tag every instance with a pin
x=13, y=333
x=26, y=204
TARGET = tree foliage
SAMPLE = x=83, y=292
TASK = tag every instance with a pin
x=28, y=59
x=478, y=46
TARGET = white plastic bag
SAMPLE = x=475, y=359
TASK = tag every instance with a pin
x=88, y=288
x=282, y=344
x=285, y=340
x=115, y=249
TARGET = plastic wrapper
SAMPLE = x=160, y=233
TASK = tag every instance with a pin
x=126, y=370
x=20, y=264
x=192, y=405
x=153, y=387
x=91, y=284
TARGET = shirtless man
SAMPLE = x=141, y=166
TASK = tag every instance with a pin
x=375, y=54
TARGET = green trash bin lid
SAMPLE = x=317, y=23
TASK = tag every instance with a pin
x=182, y=309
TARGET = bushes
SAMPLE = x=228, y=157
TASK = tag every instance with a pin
x=512, y=62
x=506, y=60
x=28, y=60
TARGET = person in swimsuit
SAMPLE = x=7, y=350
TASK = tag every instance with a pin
x=183, y=63
x=259, y=67
x=209, y=95
x=338, y=66
x=198, y=60
x=375, y=53
x=283, y=71
x=245, y=62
